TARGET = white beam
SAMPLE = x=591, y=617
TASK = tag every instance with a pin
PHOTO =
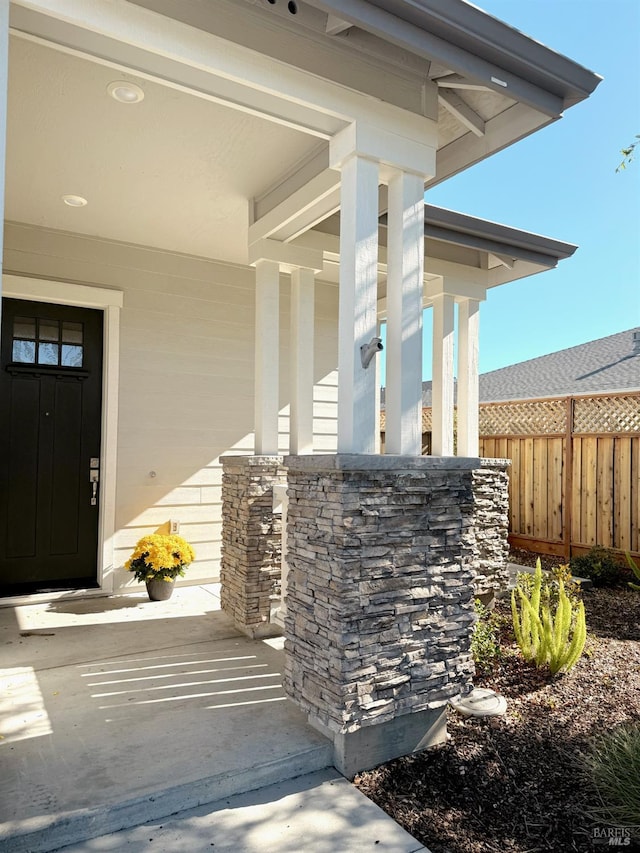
x=405, y=272
x=4, y=78
x=461, y=285
x=295, y=179
x=301, y=355
x=462, y=111
x=504, y=129
x=267, y=337
x=503, y=260
x=371, y=17
x=289, y=257
x=315, y=189
x=300, y=211
x=437, y=69
x=388, y=147
x=119, y=33
x=357, y=305
x=468, y=379
x=442, y=382
x=110, y=50
x=336, y=25
x=457, y=81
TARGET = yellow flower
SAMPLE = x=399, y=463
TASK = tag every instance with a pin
x=160, y=554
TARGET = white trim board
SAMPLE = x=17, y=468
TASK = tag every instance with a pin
x=110, y=302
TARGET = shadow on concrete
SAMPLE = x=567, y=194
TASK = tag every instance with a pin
x=108, y=708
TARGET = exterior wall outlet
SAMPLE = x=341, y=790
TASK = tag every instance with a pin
x=174, y=526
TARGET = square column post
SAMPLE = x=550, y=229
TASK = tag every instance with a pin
x=357, y=323
x=301, y=354
x=267, y=357
x=468, y=381
x=4, y=81
x=378, y=441
x=405, y=273
x=366, y=155
x=442, y=384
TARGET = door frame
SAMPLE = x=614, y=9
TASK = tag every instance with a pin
x=109, y=302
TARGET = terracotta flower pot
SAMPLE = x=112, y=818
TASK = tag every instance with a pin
x=160, y=590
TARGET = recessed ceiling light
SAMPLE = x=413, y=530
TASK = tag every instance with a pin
x=74, y=200
x=125, y=92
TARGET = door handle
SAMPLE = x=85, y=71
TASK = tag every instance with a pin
x=94, y=478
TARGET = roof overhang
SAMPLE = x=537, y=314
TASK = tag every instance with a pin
x=449, y=226
x=457, y=244
x=286, y=85
x=467, y=40
x=486, y=83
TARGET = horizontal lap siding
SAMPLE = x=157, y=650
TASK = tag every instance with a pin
x=186, y=378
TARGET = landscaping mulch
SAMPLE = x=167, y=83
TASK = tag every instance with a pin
x=516, y=784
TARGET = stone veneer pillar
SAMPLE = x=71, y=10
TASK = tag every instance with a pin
x=491, y=522
x=251, y=542
x=382, y=554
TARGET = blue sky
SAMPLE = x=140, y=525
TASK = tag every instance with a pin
x=561, y=182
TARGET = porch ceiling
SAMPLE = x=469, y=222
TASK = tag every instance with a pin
x=190, y=166
x=174, y=171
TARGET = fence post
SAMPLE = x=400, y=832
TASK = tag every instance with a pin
x=568, y=480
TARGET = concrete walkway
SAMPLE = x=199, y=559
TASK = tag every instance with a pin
x=119, y=711
x=317, y=813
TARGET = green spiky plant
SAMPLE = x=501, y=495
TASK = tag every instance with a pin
x=546, y=635
x=635, y=569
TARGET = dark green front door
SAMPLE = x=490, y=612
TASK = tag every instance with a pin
x=50, y=417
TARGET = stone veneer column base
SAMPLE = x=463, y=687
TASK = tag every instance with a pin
x=491, y=523
x=382, y=554
x=251, y=542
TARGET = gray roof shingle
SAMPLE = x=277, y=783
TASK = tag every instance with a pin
x=604, y=365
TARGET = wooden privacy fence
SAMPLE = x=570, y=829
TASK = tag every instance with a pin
x=574, y=480
x=575, y=472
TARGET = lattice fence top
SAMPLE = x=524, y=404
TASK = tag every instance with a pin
x=526, y=417
x=601, y=414
x=619, y=413
x=426, y=420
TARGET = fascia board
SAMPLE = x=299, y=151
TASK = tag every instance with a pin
x=471, y=27
x=421, y=42
x=471, y=42
x=463, y=224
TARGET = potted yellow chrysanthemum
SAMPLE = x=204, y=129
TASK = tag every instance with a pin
x=158, y=559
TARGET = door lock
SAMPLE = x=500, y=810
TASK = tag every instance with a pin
x=94, y=478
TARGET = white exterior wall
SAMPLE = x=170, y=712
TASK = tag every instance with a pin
x=186, y=377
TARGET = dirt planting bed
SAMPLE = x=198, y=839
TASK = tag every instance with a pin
x=517, y=783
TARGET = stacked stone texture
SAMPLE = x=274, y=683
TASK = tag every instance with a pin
x=491, y=522
x=380, y=587
x=251, y=539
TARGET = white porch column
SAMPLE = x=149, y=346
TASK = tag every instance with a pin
x=301, y=355
x=357, y=323
x=366, y=155
x=405, y=271
x=4, y=80
x=267, y=345
x=468, y=383
x=442, y=383
x=378, y=441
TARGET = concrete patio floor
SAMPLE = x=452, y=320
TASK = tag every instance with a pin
x=116, y=711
